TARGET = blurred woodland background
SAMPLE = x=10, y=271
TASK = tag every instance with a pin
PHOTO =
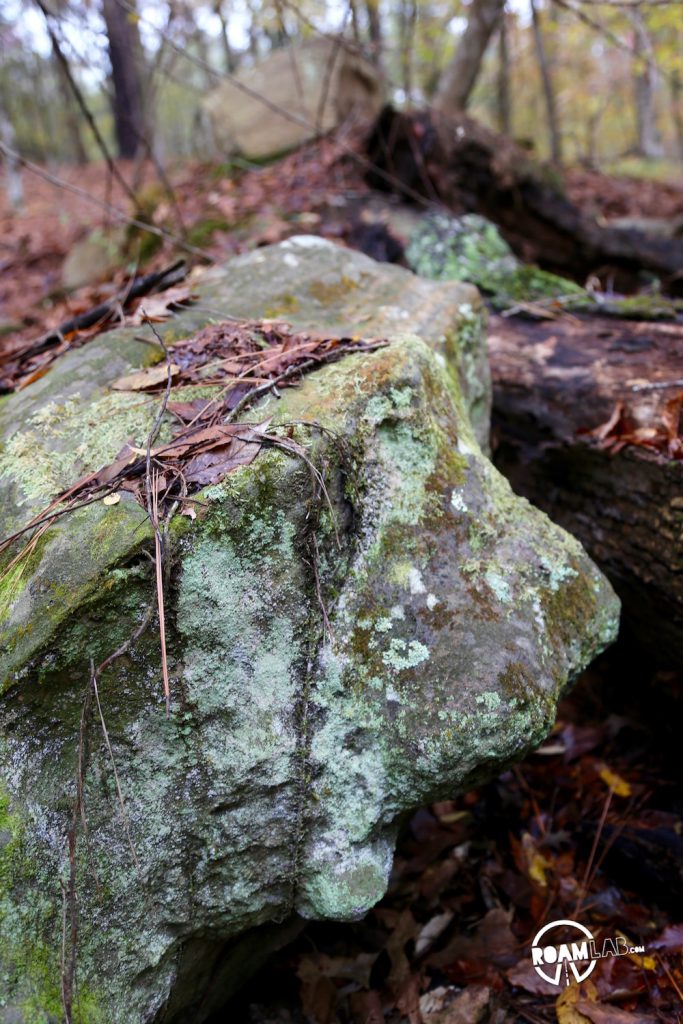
x=583, y=81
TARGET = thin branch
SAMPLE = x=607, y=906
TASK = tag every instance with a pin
x=153, y=512
x=85, y=110
x=125, y=218
x=124, y=815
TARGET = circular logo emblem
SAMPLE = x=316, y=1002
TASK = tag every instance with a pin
x=572, y=950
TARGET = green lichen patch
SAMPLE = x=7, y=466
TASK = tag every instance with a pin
x=470, y=248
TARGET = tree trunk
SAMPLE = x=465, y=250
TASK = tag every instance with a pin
x=548, y=89
x=374, y=30
x=124, y=54
x=408, y=18
x=230, y=64
x=552, y=381
x=677, y=110
x=648, y=142
x=503, y=81
x=14, y=182
x=459, y=77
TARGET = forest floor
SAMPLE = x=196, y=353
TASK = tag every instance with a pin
x=588, y=828
x=219, y=209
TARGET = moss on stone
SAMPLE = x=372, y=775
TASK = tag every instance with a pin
x=294, y=743
x=470, y=248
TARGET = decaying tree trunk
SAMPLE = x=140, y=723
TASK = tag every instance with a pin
x=556, y=379
x=471, y=168
x=459, y=77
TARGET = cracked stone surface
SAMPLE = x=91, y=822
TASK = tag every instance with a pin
x=458, y=614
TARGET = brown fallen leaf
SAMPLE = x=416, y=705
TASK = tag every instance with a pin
x=671, y=939
x=600, y=1013
x=147, y=378
x=448, y=1006
x=158, y=307
x=524, y=975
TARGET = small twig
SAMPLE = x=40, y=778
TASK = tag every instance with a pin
x=596, y=841
x=658, y=384
x=159, y=566
x=252, y=396
x=83, y=106
x=137, y=286
x=124, y=815
x=315, y=561
x=153, y=512
x=135, y=222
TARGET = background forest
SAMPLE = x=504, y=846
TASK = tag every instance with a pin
x=581, y=80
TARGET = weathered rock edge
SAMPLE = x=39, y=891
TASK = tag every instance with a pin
x=457, y=615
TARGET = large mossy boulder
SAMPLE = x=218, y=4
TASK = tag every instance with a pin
x=336, y=657
x=291, y=96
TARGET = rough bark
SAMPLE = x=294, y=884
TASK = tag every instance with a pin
x=552, y=380
x=459, y=77
x=124, y=52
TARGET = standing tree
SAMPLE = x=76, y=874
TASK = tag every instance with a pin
x=124, y=55
x=374, y=30
x=503, y=108
x=648, y=143
x=459, y=77
x=548, y=88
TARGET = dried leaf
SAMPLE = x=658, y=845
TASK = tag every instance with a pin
x=615, y=782
x=150, y=377
x=428, y=934
x=599, y=1013
x=524, y=975
x=449, y=1006
x=671, y=416
x=671, y=939
x=158, y=307
x=565, y=1004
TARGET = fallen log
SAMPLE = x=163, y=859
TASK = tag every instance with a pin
x=469, y=168
x=586, y=425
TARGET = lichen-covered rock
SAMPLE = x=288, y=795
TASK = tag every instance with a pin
x=470, y=248
x=337, y=657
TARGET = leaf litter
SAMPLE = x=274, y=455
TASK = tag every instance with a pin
x=245, y=360
x=588, y=828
